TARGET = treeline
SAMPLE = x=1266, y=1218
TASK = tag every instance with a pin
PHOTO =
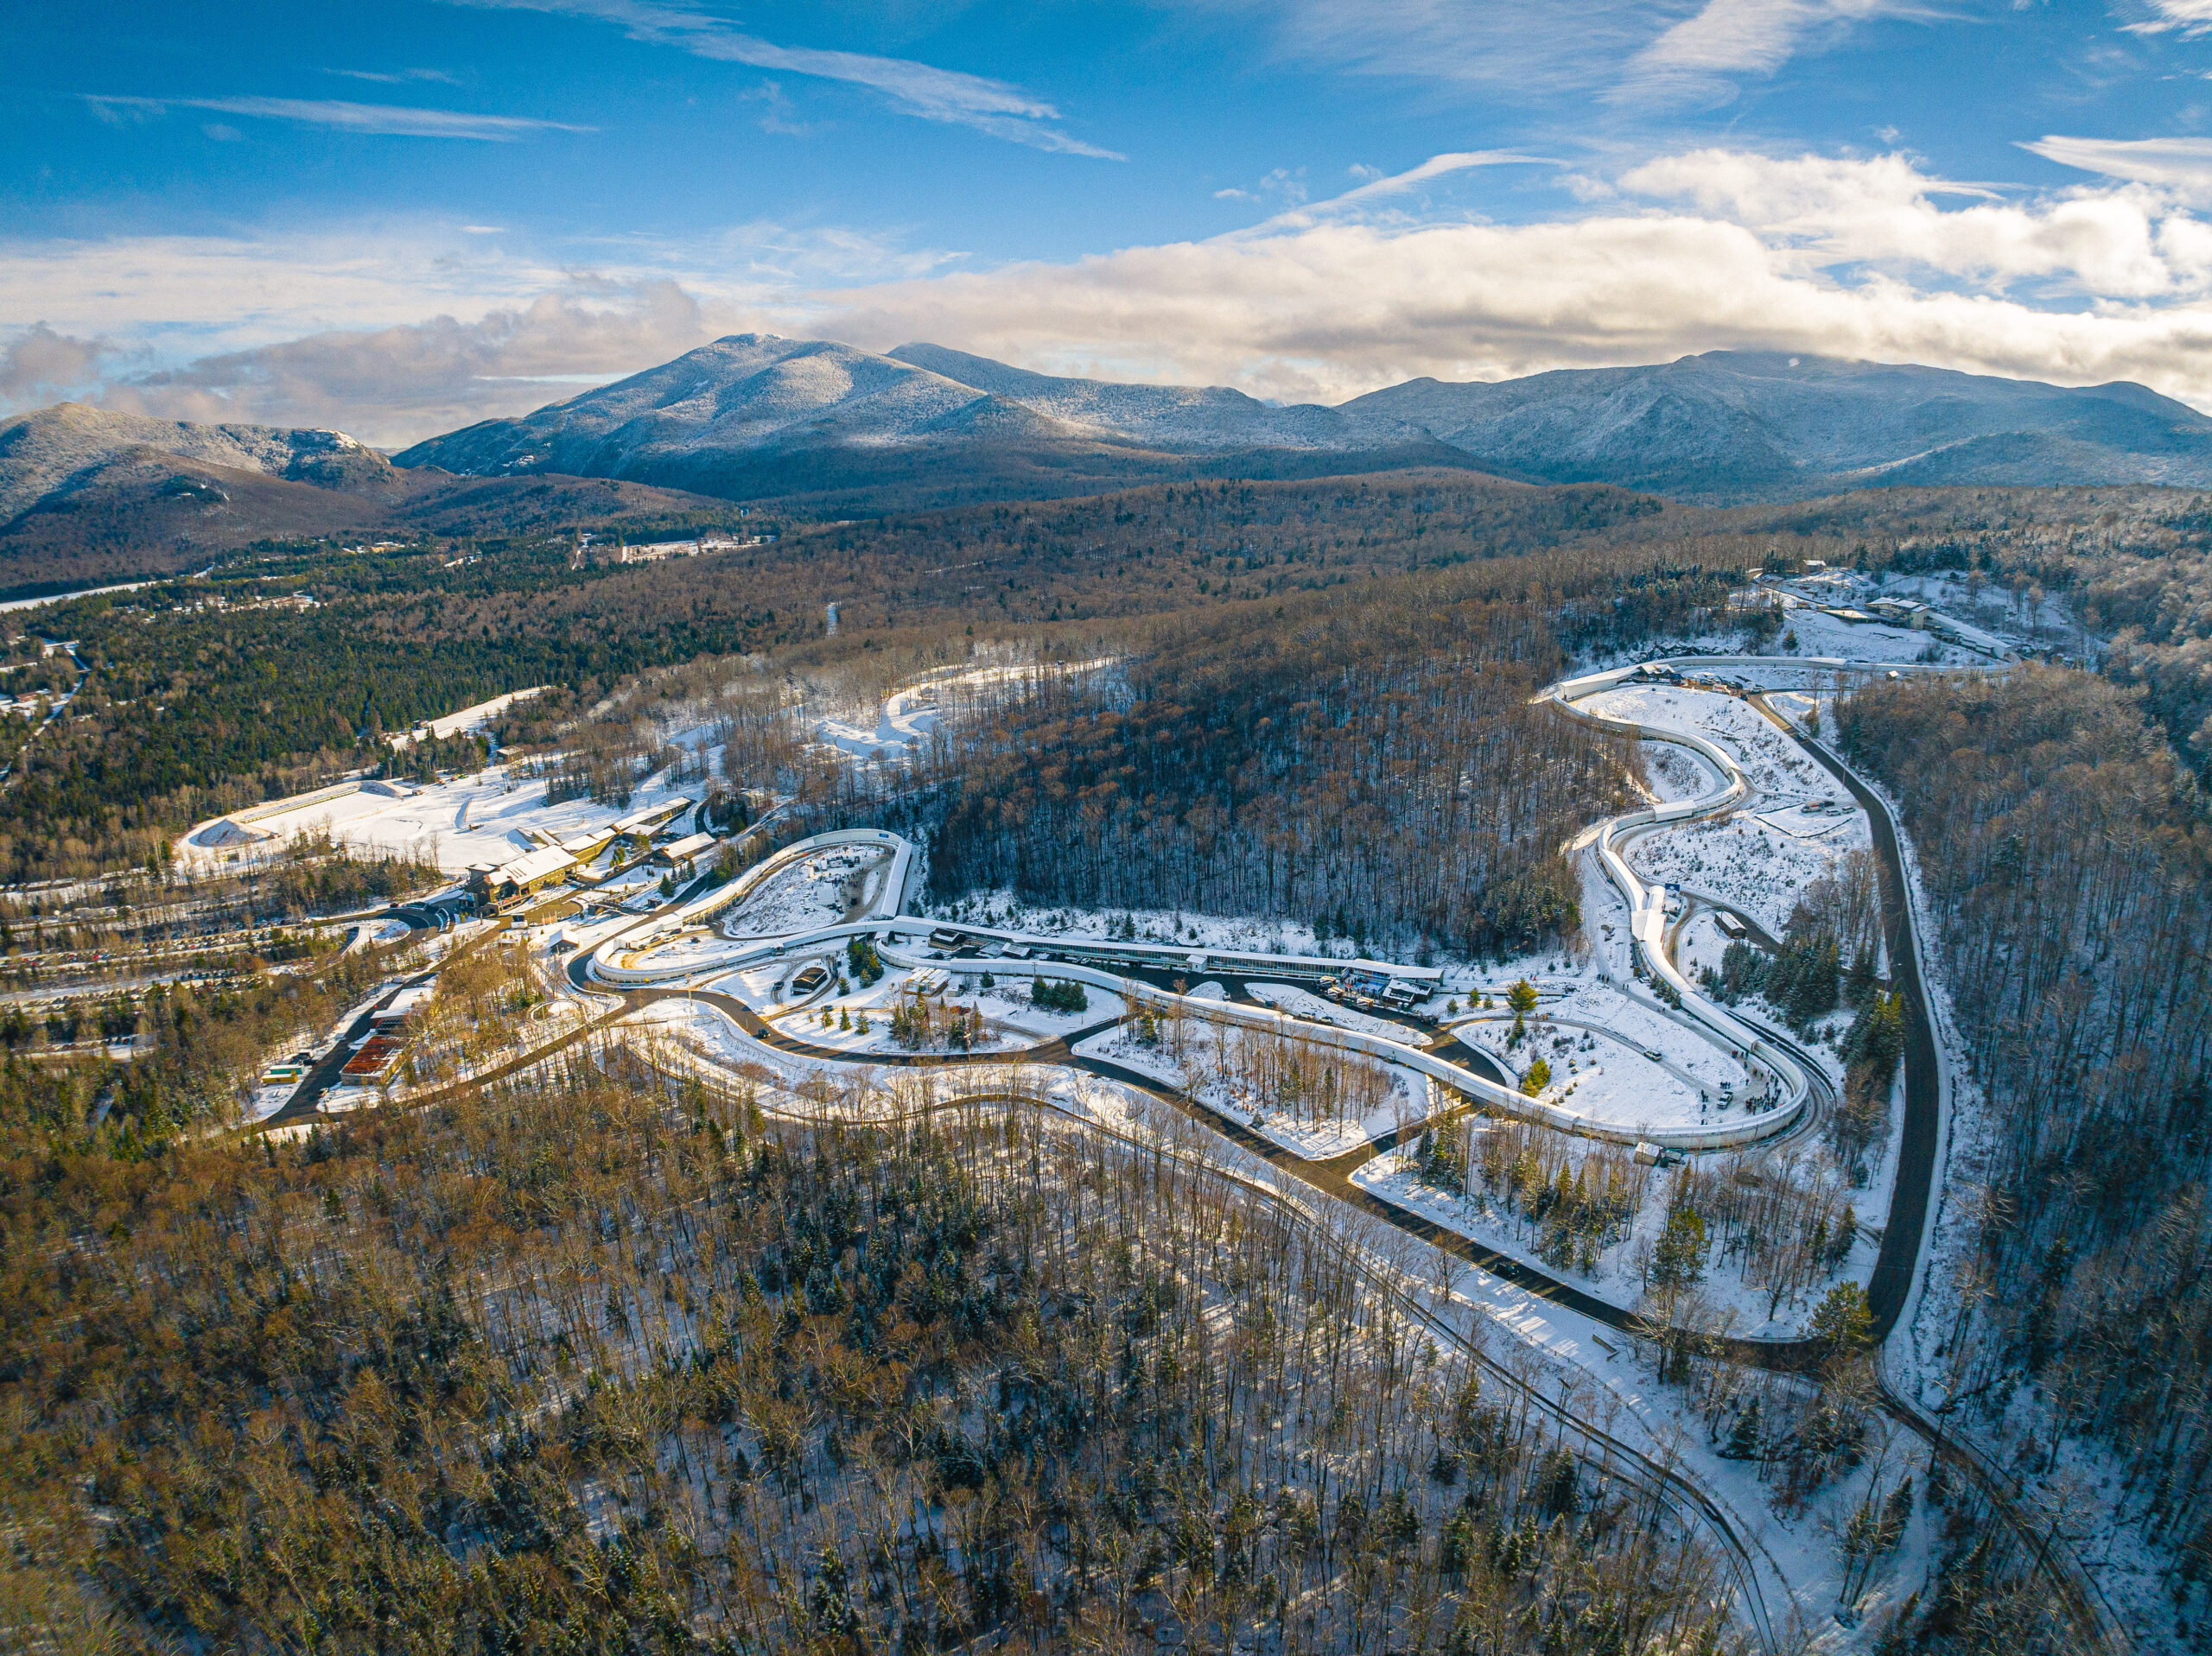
x=2068, y=856
x=633, y=1373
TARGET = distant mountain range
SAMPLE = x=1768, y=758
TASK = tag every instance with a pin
x=89, y=494
x=754, y=416
x=824, y=429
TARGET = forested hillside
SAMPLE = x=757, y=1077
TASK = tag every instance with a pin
x=576, y=1369
x=2069, y=858
x=1375, y=768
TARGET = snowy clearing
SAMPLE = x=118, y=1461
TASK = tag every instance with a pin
x=490, y=816
x=823, y=888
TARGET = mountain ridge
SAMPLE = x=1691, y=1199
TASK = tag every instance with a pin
x=90, y=494
x=1721, y=428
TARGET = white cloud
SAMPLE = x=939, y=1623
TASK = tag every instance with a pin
x=1883, y=210
x=1362, y=198
x=2184, y=16
x=217, y=293
x=391, y=385
x=995, y=107
x=1782, y=256
x=38, y=366
x=1853, y=258
x=1281, y=185
x=1510, y=44
x=1668, y=49
x=398, y=78
x=326, y=327
x=384, y=119
x=1698, y=56
x=2181, y=164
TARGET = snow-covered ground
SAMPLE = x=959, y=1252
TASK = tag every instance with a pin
x=823, y=888
x=907, y=719
x=1677, y=773
x=485, y=817
x=1759, y=858
x=695, y=950
x=1011, y=1020
x=476, y=718
x=1700, y=944
x=699, y=1034
x=377, y=932
x=1791, y=1544
x=1775, y=767
x=1002, y=909
x=1745, y=863
x=1594, y=1041
x=1828, y=635
x=1617, y=1275
x=267, y=1101
x=1408, y=1099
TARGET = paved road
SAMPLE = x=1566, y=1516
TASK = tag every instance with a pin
x=1891, y=1285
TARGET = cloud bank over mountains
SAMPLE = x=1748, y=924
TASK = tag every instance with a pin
x=1864, y=256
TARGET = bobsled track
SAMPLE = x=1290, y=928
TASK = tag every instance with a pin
x=622, y=970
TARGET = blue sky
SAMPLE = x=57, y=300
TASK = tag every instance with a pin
x=395, y=218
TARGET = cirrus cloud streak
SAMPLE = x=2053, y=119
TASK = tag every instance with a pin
x=383, y=119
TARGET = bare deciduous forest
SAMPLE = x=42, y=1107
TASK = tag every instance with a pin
x=2069, y=859
x=588, y=1353
x=585, y=1366
x=1376, y=767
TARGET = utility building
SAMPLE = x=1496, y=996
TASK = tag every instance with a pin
x=532, y=872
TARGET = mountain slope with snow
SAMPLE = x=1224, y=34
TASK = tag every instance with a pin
x=1746, y=425
x=754, y=415
x=43, y=453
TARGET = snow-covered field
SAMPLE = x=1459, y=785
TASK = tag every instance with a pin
x=1827, y=635
x=820, y=889
x=480, y=818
